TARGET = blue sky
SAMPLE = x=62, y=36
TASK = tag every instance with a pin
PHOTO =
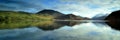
x=85, y=8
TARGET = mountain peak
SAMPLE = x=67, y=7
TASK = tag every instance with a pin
x=100, y=16
x=50, y=12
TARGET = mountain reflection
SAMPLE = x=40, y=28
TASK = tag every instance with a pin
x=44, y=25
x=80, y=31
x=114, y=24
x=52, y=25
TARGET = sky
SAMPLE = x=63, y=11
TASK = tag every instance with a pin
x=85, y=8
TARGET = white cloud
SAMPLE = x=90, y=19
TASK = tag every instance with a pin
x=84, y=7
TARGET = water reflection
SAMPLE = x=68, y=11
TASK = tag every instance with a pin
x=58, y=24
x=44, y=25
x=114, y=24
x=80, y=31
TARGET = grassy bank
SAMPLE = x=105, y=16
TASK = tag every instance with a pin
x=24, y=16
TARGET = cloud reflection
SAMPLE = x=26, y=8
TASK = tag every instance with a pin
x=84, y=31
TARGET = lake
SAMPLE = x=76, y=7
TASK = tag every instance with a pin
x=58, y=30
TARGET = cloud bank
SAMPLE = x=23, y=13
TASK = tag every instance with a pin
x=85, y=8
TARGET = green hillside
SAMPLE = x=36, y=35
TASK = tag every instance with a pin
x=18, y=16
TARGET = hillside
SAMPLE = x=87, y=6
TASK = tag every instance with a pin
x=59, y=15
x=100, y=17
x=114, y=20
x=17, y=15
x=41, y=15
x=70, y=17
x=53, y=13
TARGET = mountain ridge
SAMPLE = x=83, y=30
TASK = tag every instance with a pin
x=59, y=15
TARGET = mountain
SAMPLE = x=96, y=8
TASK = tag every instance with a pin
x=100, y=17
x=114, y=16
x=20, y=15
x=70, y=17
x=114, y=20
x=50, y=12
x=59, y=15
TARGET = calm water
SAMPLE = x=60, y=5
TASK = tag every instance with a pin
x=63, y=31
